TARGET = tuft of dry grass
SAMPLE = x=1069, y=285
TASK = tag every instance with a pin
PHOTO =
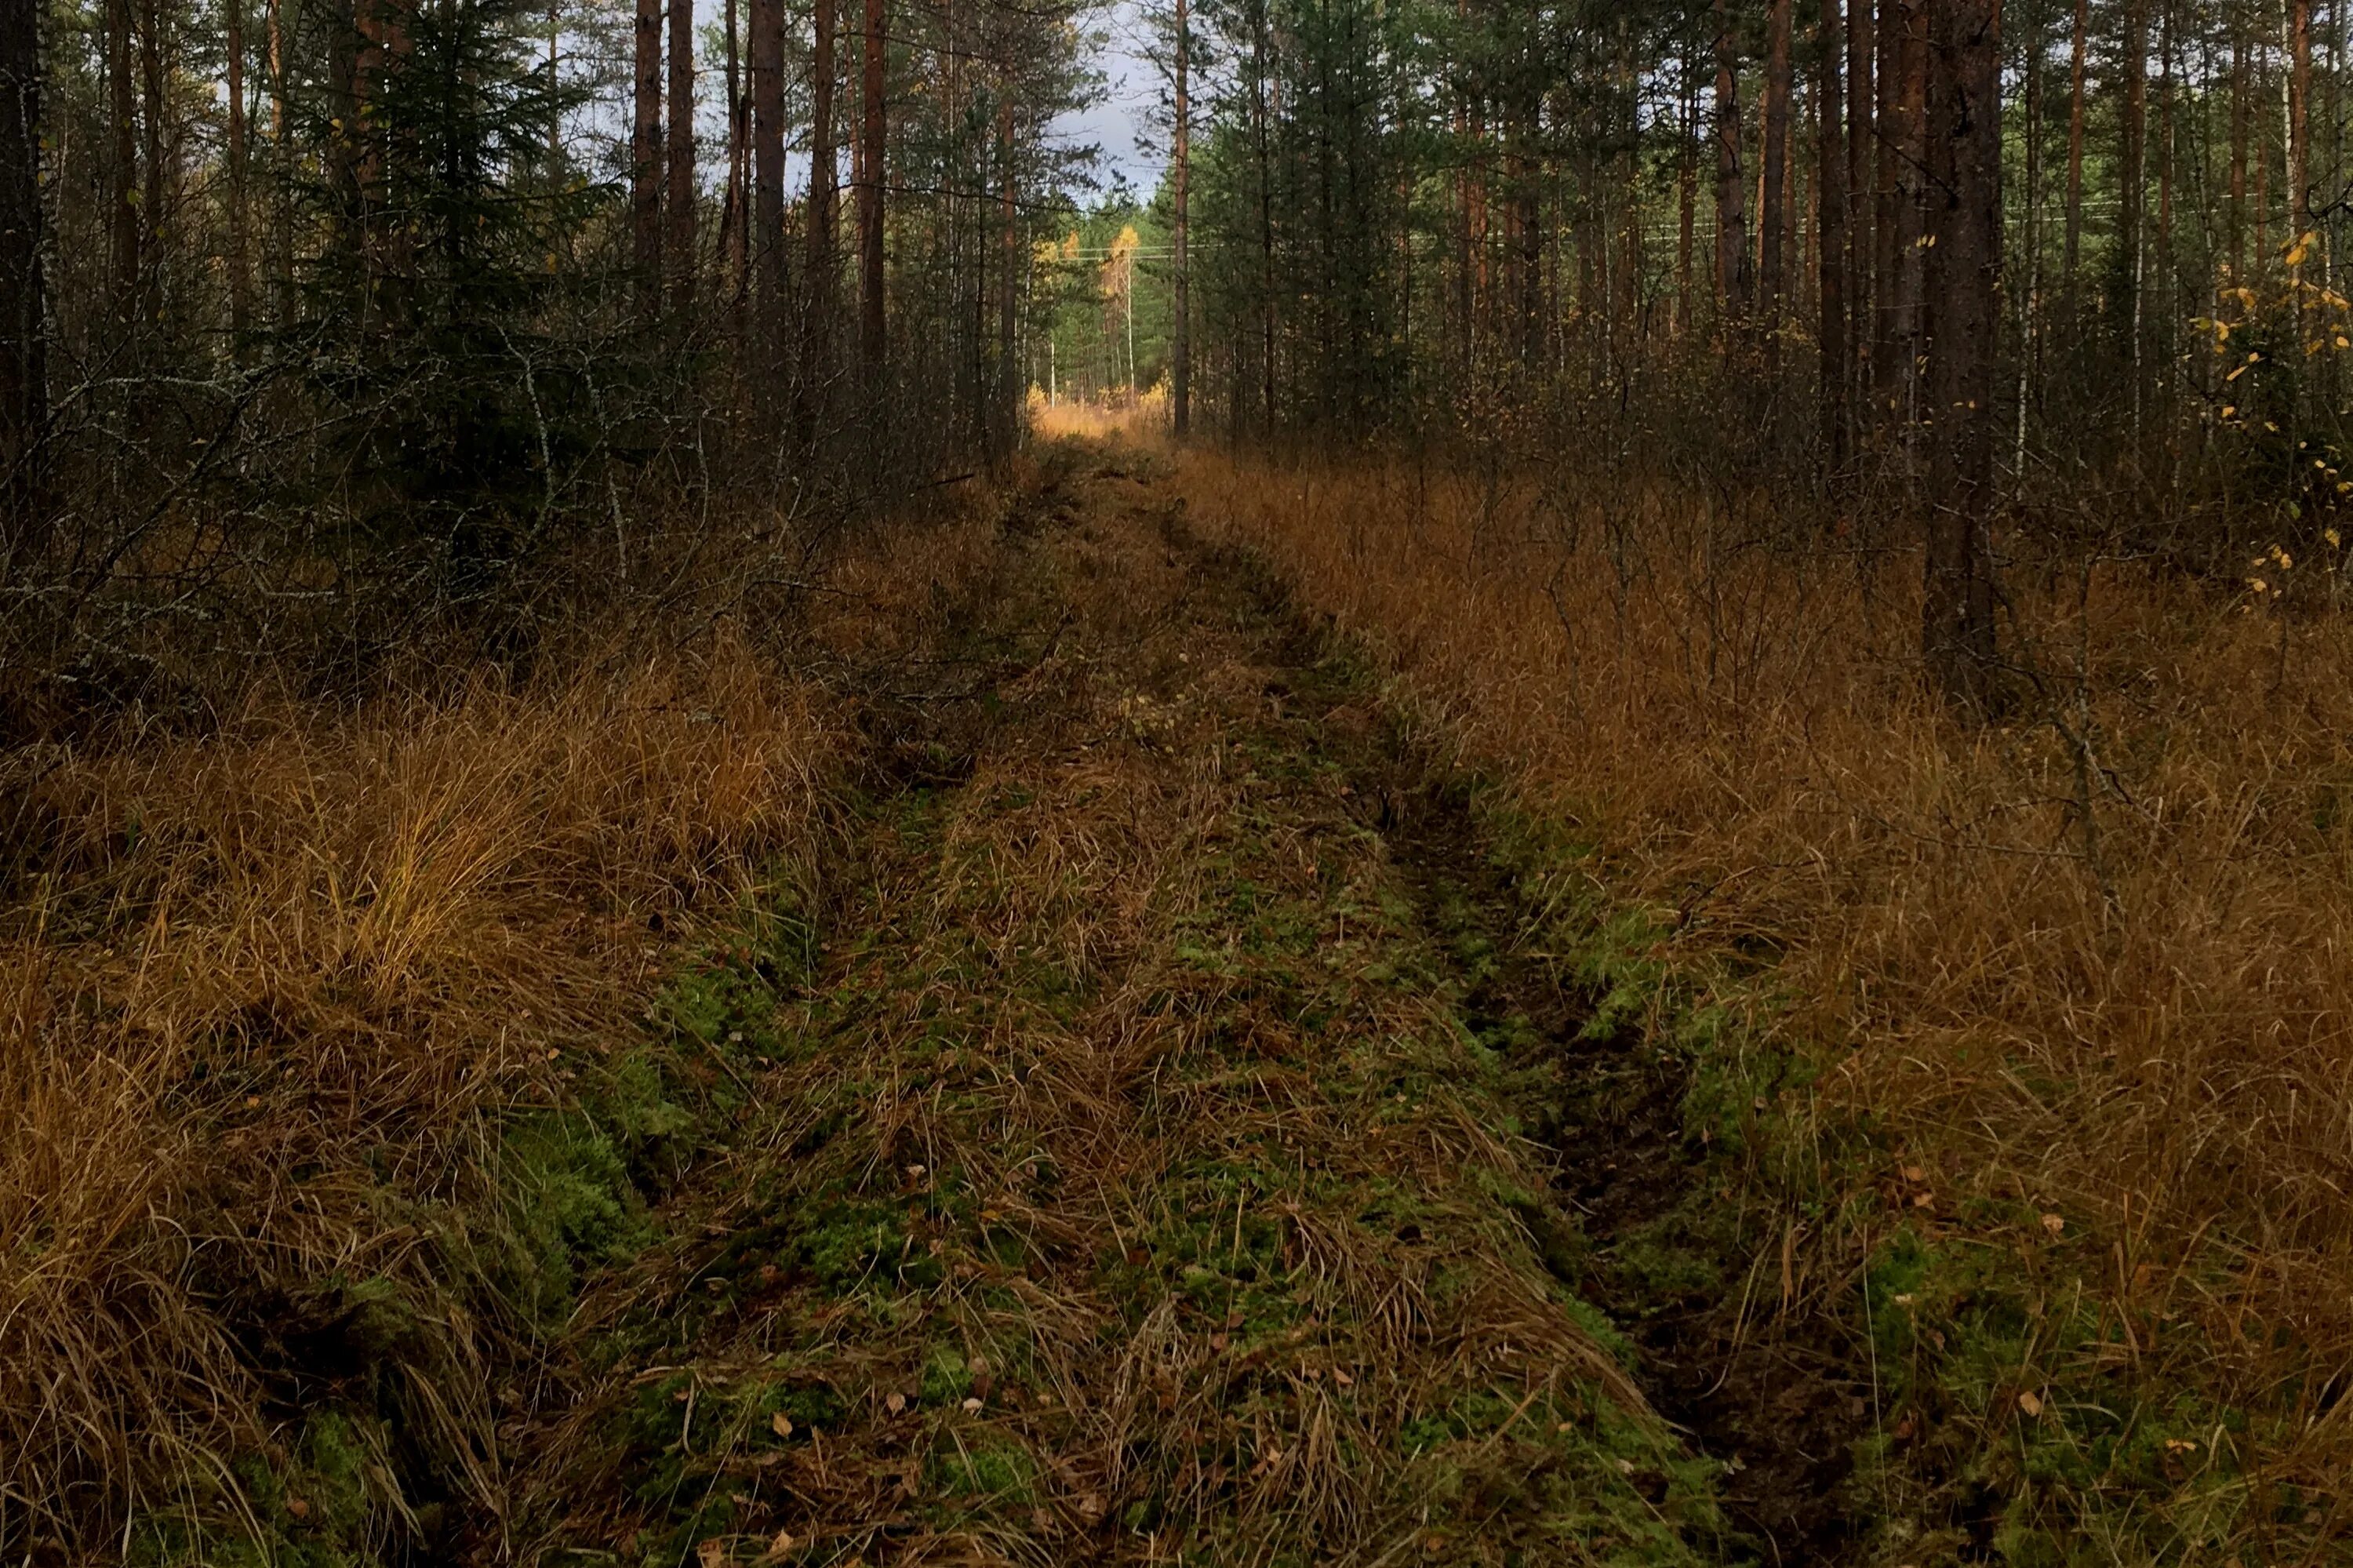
x=262, y=994
x=2089, y=967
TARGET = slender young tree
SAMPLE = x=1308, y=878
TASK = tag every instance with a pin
x=1181, y=356
x=281, y=226
x=734, y=221
x=2239, y=111
x=822, y=270
x=238, y=254
x=1772, y=280
x=1007, y=424
x=644, y=158
x=873, y=341
x=1860, y=231
x=2166, y=304
x=154, y=185
x=2299, y=121
x=680, y=193
x=2079, y=56
x=1687, y=200
x=2132, y=146
x=1829, y=109
x=123, y=172
x=1907, y=289
x=1888, y=123
x=1731, y=195
x=24, y=314
x=766, y=236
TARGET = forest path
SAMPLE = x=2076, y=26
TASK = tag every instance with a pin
x=1157, y=1159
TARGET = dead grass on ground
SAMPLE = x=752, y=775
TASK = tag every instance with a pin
x=257, y=990
x=1117, y=416
x=2089, y=966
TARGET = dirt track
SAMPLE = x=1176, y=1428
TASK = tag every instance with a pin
x=1184, y=1143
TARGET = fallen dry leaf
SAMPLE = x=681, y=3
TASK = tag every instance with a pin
x=2030, y=1401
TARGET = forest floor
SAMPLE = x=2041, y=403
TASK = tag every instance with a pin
x=1175, y=1008
x=1189, y=1124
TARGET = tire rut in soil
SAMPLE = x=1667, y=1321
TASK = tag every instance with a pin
x=1780, y=1406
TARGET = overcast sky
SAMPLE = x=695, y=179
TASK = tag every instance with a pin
x=1131, y=89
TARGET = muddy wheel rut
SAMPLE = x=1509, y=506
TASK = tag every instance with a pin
x=1780, y=1408
x=1183, y=1149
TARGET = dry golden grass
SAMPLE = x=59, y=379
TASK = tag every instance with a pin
x=1142, y=418
x=2135, y=1019
x=258, y=990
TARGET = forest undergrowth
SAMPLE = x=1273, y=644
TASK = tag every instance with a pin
x=2072, y=1133
x=319, y=1087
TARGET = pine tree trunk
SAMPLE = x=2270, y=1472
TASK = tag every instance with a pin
x=152, y=196
x=282, y=259
x=1861, y=229
x=1906, y=326
x=681, y=192
x=645, y=159
x=2031, y=226
x=765, y=239
x=123, y=176
x=2239, y=111
x=1008, y=422
x=1478, y=298
x=822, y=272
x=1830, y=198
x=1963, y=144
x=735, y=219
x=2299, y=137
x=1262, y=118
x=2164, y=290
x=1181, y=369
x=2132, y=144
x=1772, y=270
x=1687, y=206
x=1732, y=276
x=24, y=336
x=238, y=259
x=554, y=114
x=873, y=321
x=1886, y=262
